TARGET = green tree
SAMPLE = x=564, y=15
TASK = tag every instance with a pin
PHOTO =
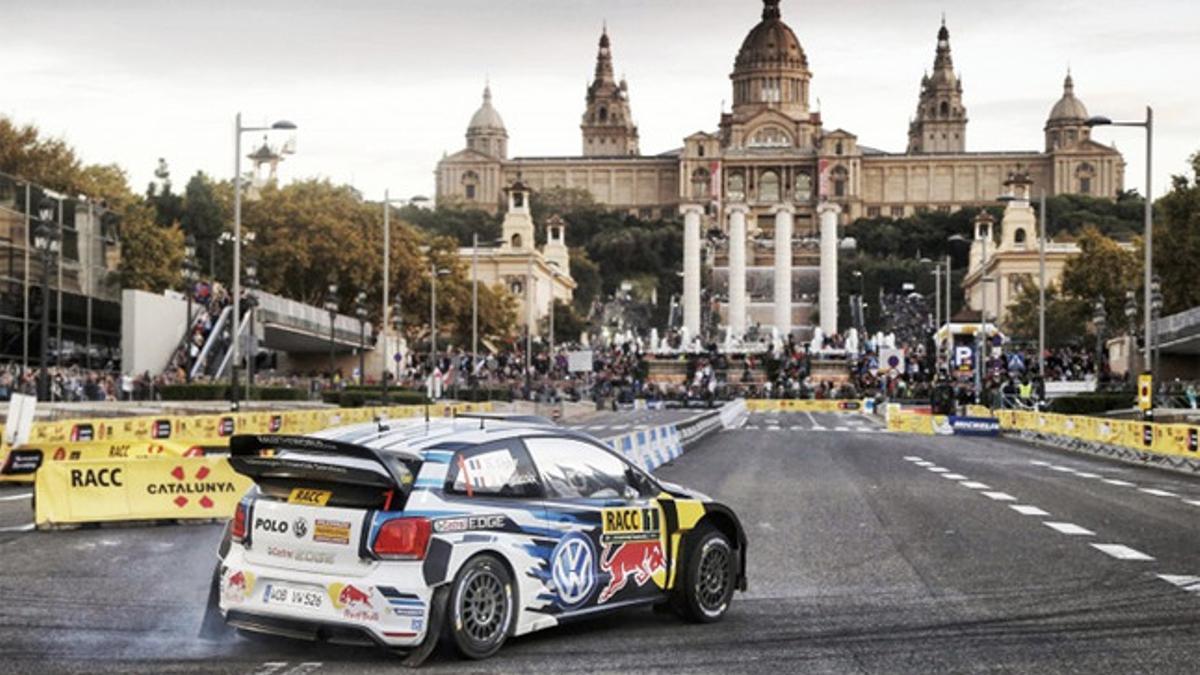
x=50, y=162
x=456, y=221
x=1066, y=318
x=203, y=216
x=168, y=206
x=1103, y=269
x=568, y=323
x=1177, y=241
x=151, y=256
x=588, y=281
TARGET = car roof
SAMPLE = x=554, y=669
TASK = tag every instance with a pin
x=413, y=436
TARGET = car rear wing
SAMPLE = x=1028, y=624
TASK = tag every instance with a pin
x=247, y=458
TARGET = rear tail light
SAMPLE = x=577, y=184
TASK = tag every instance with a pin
x=403, y=539
x=237, y=531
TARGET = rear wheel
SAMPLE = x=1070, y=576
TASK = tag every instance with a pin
x=481, y=607
x=708, y=576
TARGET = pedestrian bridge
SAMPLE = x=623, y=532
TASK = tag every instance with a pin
x=1179, y=333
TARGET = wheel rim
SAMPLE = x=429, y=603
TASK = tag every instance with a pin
x=483, y=606
x=713, y=581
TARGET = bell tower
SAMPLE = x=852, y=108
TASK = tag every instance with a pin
x=941, y=121
x=608, y=128
x=517, y=228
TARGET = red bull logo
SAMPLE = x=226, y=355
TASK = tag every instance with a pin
x=638, y=560
x=238, y=586
x=354, y=602
x=351, y=596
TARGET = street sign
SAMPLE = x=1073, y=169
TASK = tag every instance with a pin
x=1145, y=391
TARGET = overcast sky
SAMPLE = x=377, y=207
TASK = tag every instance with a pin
x=380, y=89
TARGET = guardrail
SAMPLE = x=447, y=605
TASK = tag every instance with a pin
x=1175, y=446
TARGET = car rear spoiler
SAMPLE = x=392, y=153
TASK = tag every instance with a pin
x=504, y=417
x=245, y=456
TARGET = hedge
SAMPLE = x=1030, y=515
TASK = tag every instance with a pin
x=357, y=397
x=220, y=392
x=1091, y=404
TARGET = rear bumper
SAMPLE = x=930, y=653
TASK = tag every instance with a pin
x=302, y=629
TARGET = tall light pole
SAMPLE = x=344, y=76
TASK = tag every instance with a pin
x=251, y=304
x=984, y=218
x=387, y=280
x=331, y=306
x=434, y=273
x=474, y=301
x=360, y=311
x=937, y=299
x=1147, y=225
x=1042, y=286
x=554, y=275
x=1099, y=320
x=189, y=281
x=529, y=324
x=46, y=241
x=237, y=236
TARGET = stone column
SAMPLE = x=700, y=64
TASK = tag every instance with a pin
x=737, y=270
x=783, y=269
x=691, y=268
x=828, y=213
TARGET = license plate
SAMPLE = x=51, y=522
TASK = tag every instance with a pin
x=309, y=497
x=278, y=594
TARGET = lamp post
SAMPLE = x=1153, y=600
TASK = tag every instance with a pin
x=398, y=325
x=46, y=241
x=1156, y=304
x=434, y=273
x=251, y=304
x=237, y=236
x=385, y=322
x=1099, y=320
x=360, y=311
x=331, y=306
x=554, y=275
x=189, y=280
x=1042, y=285
x=1147, y=224
x=1131, y=319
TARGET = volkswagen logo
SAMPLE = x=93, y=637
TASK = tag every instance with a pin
x=300, y=528
x=573, y=569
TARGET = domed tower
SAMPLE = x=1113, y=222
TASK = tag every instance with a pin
x=1067, y=125
x=486, y=131
x=608, y=127
x=771, y=70
x=941, y=121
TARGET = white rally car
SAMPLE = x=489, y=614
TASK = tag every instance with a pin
x=469, y=529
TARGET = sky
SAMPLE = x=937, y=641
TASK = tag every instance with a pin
x=380, y=89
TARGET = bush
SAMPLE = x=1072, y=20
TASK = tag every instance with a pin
x=357, y=397
x=1092, y=404
x=220, y=392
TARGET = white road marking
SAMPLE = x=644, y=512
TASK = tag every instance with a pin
x=841, y=428
x=1193, y=502
x=975, y=485
x=752, y=427
x=797, y=427
x=954, y=476
x=999, y=496
x=28, y=527
x=304, y=668
x=13, y=498
x=1157, y=493
x=1068, y=528
x=1065, y=469
x=1026, y=510
x=925, y=463
x=938, y=469
x=1083, y=474
x=1038, y=462
x=1121, y=552
x=912, y=458
x=1188, y=583
x=269, y=667
x=1122, y=483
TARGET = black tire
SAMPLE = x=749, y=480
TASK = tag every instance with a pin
x=706, y=585
x=481, y=607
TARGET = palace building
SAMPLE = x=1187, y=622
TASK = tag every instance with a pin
x=772, y=153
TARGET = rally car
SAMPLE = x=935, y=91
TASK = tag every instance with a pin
x=468, y=530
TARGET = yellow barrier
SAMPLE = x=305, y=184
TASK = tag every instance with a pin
x=1178, y=440
x=805, y=405
x=137, y=489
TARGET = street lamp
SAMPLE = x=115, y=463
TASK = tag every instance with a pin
x=1147, y=224
x=1099, y=320
x=331, y=306
x=1131, y=319
x=360, y=311
x=189, y=280
x=46, y=241
x=1156, y=304
x=554, y=275
x=251, y=304
x=860, y=315
x=237, y=236
x=398, y=325
x=434, y=273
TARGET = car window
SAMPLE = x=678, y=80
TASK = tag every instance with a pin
x=574, y=469
x=492, y=470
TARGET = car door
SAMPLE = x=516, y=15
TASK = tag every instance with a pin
x=611, y=548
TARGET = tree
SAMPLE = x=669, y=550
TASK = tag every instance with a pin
x=456, y=221
x=49, y=162
x=568, y=323
x=1177, y=241
x=588, y=281
x=168, y=206
x=151, y=256
x=1066, y=318
x=1103, y=269
x=203, y=216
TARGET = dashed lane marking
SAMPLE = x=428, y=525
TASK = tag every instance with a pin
x=925, y=463
x=938, y=469
x=28, y=527
x=1157, y=493
x=1121, y=483
x=13, y=498
x=1193, y=502
x=1038, y=462
x=1064, y=469
x=954, y=476
x=999, y=496
x=1084, y=474
x=1069, y=528
x=912, y=458
x=1027, y=510
x=975, y=485
x=1121, y=552
x=1188, y=583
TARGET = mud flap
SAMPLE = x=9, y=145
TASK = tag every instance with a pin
x=213, y=626
x=433, y=631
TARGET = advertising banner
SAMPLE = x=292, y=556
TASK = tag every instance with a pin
x=975, y=426
x=164, y=488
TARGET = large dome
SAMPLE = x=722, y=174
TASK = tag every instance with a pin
x=770, y=44
x=1068, y=108
x=486, y=117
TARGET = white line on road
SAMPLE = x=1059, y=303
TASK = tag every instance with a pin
x=1038, y=462
x=752, y=427
x=1068, y=528
x=954, y=476
x=938, y=469
x=975, y=485
x=1188, y=583
x=1065, y=469
x=13, y=498
x=912, y=458
x=1083, y=474
x=841, y=428
x=999, y=496
x=1157, y=493
x=924, y=463
x=1122, y=483
x=1026, y=510
x=1122, y=552
x=1193, y=502
x=28, y=527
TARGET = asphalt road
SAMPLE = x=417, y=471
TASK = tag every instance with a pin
x=870, y=552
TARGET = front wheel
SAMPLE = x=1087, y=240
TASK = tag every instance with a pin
x=481, y=608
x=708, y=577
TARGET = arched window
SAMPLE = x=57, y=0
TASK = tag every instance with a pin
x=840, y=176
x=470, y=182
x=603, y=114
x=700, y=150
x=837, y=149
x=945, y=109
x=1084, y=174
x=516, y=240
x=700, y=183
x=803, y=188
x=768, y=187
x=770, y=137
x=1019, y=237
x=735, y=189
